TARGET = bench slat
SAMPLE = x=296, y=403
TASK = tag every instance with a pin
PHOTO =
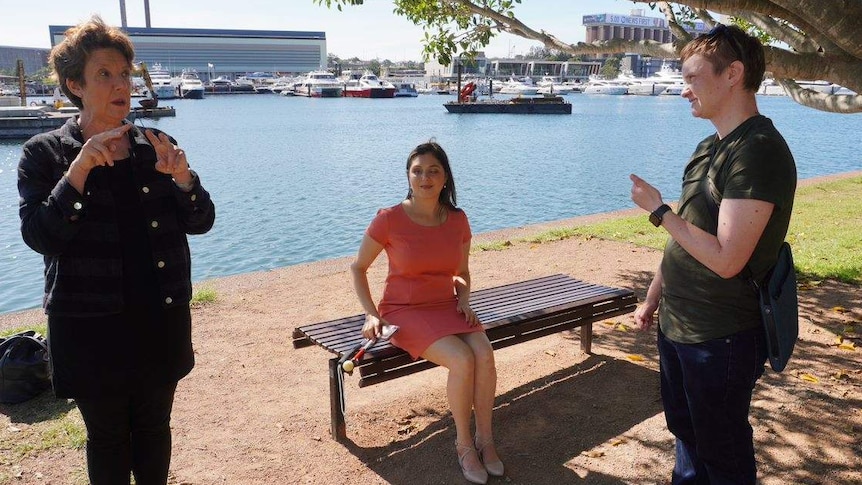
x=495, y=307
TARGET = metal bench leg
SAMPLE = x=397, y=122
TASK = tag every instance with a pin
x=338, y=428
x=586, y=338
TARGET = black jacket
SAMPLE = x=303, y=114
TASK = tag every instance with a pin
x=77, y=233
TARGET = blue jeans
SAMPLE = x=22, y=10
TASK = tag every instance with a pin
x=706, y=391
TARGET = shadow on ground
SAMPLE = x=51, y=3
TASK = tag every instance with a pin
x=44, y=407
x=538, y=427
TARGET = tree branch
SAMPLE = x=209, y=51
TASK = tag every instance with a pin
x=769, y=8
x=782, y=32
x=682, y=37
x=833, y=103
x=840, y=23
x=705, y=16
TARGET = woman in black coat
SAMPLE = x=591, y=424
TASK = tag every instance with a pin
x=109, y=207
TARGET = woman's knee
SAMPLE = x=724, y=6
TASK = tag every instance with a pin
x=483, y=352
x=452, y=353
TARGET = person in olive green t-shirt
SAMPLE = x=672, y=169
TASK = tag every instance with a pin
x=732, y=217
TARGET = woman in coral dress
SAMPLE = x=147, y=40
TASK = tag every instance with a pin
x=427, y=294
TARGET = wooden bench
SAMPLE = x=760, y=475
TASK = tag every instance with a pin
x=511, y=314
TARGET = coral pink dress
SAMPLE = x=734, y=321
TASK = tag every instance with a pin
x=419, y=295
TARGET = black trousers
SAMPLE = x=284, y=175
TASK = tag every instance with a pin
x=129, y=434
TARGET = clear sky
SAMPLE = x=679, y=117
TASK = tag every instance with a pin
x=369, y=31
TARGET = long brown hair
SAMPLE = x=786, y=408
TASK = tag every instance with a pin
x=447, y=196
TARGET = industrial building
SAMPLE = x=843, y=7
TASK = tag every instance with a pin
x=34, y=58
x=635, y=27
x=214, y=52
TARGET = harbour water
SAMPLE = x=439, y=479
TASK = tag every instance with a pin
x=298, y=179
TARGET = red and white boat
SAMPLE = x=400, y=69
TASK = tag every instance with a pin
x=368, y=85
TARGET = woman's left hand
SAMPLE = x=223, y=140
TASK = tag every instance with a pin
x=468, y=312
x=170, y=159
x=645, y=195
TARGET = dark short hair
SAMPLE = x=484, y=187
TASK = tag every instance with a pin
x=727, y=43
x=69, y=58
x=447, y=196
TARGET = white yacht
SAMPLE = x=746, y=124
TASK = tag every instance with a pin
x=161, y=79
x=552, y=85
x=670, y=78
x=189, y=85
x=520, y=87
x=319, y=84
x=602, y=86
x=405, y=89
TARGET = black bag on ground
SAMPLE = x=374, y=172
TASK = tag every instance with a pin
x=779, y=306
x=24, y=370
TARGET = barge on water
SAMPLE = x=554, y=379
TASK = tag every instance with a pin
x=26, y=121
x=518, y=105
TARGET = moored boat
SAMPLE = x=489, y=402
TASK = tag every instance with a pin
x=518, y=105
x=189, y=85
x=319, y=84
x=161, y=79
x=368, y=85
x=598, y=86
x=405, y=89
x=223, y=85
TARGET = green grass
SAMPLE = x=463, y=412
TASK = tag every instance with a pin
x=40, y=329
x=492, y=246
x=825, y=231
x=203, y=296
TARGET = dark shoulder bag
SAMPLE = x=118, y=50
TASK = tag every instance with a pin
x=24, y=370
x=779, y=305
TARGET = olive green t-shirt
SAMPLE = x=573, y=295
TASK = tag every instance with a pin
x=752, y=162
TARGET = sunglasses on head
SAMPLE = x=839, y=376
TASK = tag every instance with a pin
x=723, y=30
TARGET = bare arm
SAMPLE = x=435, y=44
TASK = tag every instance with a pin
x=462, y=286
x=740, y=224
x=645, y=311
x=368, y=252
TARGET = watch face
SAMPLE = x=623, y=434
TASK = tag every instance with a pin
x=654, y=219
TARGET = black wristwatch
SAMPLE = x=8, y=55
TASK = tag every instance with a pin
x=657, y=215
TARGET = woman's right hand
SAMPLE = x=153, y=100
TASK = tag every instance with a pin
x=373, y=327
x=100, y=149
x=644, y=315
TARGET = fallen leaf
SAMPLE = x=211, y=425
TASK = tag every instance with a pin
x=847, y=346
x=841, y=375
x=809, y=378
x=636, y=358
x=609, y=323
x=593, y=453
x=622, y=327
x=618, y=441
x=839, y=309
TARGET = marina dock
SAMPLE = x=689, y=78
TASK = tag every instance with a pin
x=22, y=122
